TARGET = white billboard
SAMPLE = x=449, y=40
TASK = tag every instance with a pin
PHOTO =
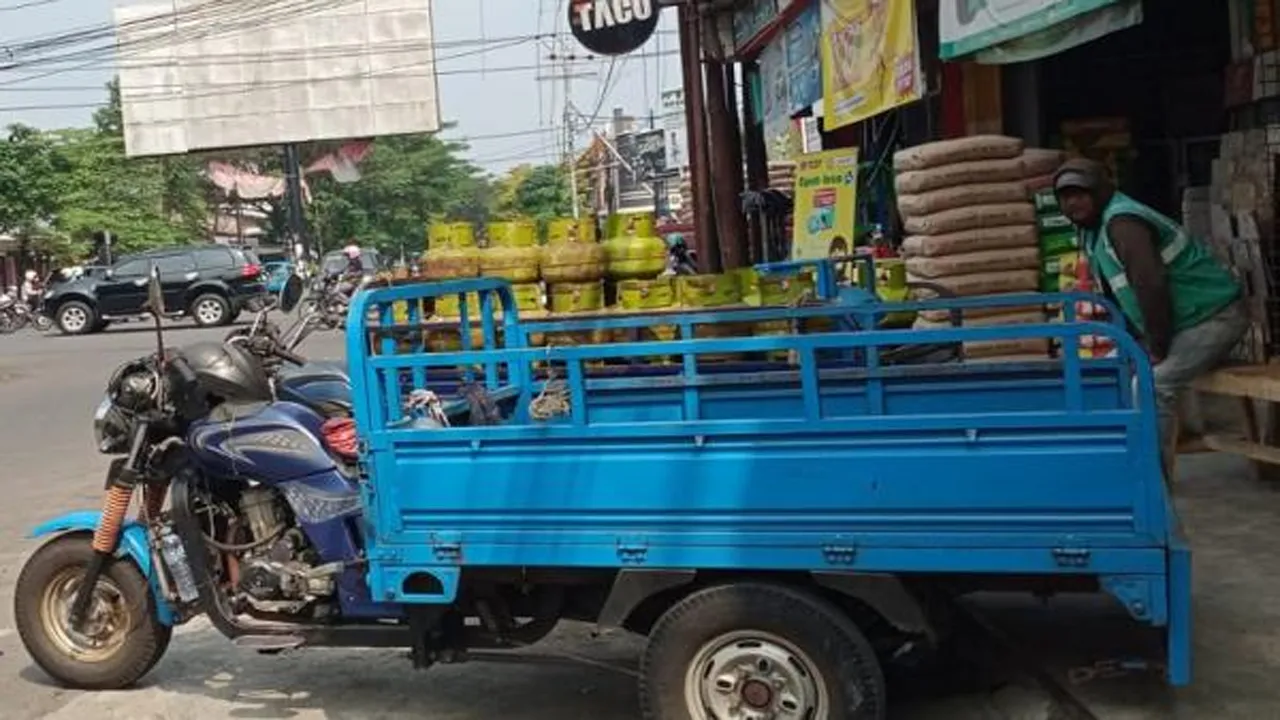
x=202, y=74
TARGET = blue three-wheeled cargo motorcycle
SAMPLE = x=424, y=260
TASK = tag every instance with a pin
x=777, y=528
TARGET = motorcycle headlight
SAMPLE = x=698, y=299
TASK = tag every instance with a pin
x=110, y=428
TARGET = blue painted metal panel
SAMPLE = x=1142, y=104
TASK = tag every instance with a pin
x=1041, y=467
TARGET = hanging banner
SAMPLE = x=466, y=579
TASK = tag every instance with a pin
x=967, y=26
x=1065, y=35
x=775, y=102
x=870, y=59
x=826, y=204
x=803, y=40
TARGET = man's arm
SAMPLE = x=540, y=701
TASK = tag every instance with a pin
x=1138, y=247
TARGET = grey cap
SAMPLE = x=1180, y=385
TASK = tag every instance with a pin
x=1073, y=179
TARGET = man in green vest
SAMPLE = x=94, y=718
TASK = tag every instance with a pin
x=1181, y=303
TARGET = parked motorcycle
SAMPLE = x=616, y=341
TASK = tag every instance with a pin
x=16, y=314
x=327, y=298
x=249, y=514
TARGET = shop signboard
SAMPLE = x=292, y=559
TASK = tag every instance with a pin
x=870, y=59
x=1065, y=35
x=967, y=26
x=613, y=27
x=750, y=18
x=803, y=40
x=826, y=204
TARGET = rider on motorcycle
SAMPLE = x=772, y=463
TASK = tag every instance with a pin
x=353, y=274
x=31, y=289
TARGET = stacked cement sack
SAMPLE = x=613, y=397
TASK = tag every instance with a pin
x=971, y=230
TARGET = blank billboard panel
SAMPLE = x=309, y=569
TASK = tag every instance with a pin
x=206, y=74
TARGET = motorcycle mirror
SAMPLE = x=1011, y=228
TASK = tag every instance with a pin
x=155, y=292
x=290, y=294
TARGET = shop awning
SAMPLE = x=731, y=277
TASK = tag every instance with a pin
x=1004, y=31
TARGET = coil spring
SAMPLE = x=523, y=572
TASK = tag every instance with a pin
x=114, y=507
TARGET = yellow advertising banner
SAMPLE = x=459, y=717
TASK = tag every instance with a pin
x=826, y=204
x=870, y=59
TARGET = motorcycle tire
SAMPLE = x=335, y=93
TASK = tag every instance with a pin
x=8, y=323
x=46, y=580
x=42, y=322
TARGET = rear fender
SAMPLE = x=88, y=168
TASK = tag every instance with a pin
x=134, y=544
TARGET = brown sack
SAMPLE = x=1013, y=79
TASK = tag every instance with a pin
x=947, y=152
x=1019, y=316
x=913, y=182
x=966, y=241
x=985, y=283
x=998, y=348
x=1027, y=258
x=1042, y=161
x=961, y=196
x=972, y=315
x=972, y=218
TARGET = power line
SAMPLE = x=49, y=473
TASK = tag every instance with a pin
x=242, y=88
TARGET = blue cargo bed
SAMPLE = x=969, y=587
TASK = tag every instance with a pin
x=840, y=461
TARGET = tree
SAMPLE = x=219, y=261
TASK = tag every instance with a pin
x=406, y=181
x=29, y=181
x=537, y=192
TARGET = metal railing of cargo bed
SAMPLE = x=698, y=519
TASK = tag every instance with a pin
x=379, y=354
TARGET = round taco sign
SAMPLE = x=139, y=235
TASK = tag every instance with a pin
x=613, y=27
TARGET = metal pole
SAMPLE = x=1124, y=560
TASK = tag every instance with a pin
x=293, y=198
x=700, y=177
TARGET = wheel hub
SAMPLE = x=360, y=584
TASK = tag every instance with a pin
x=105, y=625
x=753, y=676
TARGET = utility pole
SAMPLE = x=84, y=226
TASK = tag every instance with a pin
x=564, y=73
x=293, y=198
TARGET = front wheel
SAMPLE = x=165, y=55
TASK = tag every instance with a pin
x=211, y=310
x=42, y=322
x=121, y=639
x=755, y=650
x=8, y=322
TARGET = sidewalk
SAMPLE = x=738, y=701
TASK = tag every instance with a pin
x=1234, y=525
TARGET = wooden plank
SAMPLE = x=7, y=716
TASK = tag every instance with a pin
x=1243, y=448
x=1259, y=382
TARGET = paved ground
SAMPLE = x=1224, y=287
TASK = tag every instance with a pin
x=49, y=386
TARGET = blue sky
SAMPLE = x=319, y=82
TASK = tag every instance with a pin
x=481, y=104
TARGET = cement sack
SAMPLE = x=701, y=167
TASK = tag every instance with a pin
x=1038, y=162
x=1017, y=317
x=948, y=152
x=977, y=349
x=1027, y=258
x=984, y=283
x=1039, y=183
x=963, y=196
x=991, y=238
x=913, y=182
x=972, y=315
x=1007, y=358
x=972, y=218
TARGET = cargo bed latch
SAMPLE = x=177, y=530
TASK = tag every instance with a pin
x=1071, y=557
x=839, y=554
x=632, y=551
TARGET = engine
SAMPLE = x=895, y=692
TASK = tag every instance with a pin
x=279, y=573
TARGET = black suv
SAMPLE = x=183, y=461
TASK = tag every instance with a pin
x=210, y=283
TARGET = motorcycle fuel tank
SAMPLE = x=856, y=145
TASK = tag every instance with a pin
x=323, y=387
x=267, y=442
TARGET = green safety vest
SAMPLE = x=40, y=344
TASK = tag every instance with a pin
x=1198, y=284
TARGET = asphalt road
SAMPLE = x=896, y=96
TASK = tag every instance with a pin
x=49, y=386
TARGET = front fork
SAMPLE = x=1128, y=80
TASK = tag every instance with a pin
x=122, y=481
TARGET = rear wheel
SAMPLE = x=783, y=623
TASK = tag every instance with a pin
x=211, y=310
x=42, y=322
x=121, y=639
x=755, y=651
x=76, y=318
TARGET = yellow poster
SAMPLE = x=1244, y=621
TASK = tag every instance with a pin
x=870, y=59
x=826, y=204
